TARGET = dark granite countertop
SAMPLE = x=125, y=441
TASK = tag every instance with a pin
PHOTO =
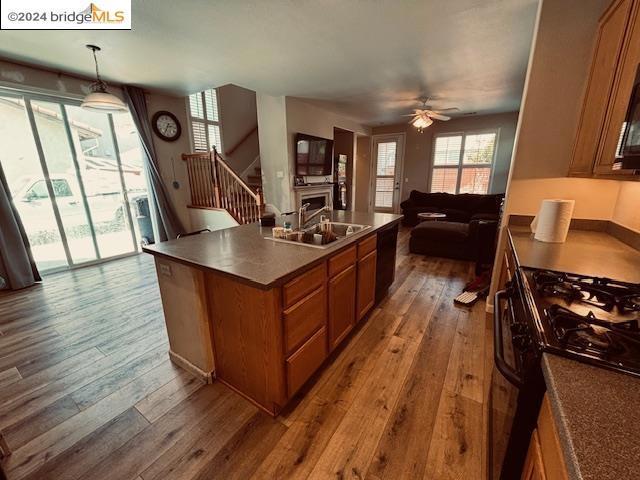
x=594, y=409
x=585, y=252
x=243, y=252
x=597, y=418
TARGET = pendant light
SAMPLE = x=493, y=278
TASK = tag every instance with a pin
x=99, y=99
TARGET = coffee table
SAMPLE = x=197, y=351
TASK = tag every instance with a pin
x=431, y=217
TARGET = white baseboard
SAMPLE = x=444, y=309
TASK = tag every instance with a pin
x=206, y=377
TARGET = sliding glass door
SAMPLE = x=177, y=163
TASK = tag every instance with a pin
x=75, y=196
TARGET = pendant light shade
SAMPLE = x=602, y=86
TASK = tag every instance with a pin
x=421, y=122
x=99, y=99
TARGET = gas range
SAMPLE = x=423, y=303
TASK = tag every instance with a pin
x=590, y=319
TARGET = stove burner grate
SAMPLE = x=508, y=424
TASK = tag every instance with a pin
x=589, y=333
x=602, y=293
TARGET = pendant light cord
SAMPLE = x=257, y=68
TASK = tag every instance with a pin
x=95, y=60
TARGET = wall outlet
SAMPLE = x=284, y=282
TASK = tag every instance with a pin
x=280, y=174
x=165, y=269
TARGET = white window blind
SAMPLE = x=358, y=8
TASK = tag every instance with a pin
x=462, y=163
x=385, y=173
x=205, y=121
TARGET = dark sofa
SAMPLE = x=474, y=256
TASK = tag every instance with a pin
x=459, y=208
x=468, y=232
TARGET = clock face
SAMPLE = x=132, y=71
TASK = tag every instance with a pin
x=166, y=125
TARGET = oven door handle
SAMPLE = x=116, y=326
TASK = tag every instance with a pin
x=498, y=347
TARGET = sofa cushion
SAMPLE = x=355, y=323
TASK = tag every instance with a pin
x=488, y=204
x=455, y=215
x=421, y=199
x=442, y=231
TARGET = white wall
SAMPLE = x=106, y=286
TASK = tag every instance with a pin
x=170, y=153
x=274, y=155
x=201, y=218
x=627, y=209
x=238, y=115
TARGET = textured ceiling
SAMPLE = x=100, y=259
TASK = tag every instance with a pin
x=369, y=59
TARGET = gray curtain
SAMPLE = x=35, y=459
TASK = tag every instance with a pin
x=17, y=267
x=167, y=221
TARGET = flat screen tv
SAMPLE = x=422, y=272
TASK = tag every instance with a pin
x=314, y=155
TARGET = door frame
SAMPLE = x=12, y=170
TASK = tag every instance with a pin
x=401, y=137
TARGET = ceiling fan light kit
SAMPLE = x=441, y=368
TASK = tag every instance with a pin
x=421, y=122
x=424, y=117
x=99, y=99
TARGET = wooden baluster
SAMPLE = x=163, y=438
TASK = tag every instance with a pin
x=206, y=176
x=190, y=174
x=216, y=180
x=236, y=195
x=225, y=188
x=223, y=197
x=209, y=183
x=196, y=181
x=200, y=185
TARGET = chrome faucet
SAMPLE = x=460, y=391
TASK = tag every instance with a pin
x=302, y=214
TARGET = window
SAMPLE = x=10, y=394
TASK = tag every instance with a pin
x=76, y=178
x=462, y=162
x=205, y=121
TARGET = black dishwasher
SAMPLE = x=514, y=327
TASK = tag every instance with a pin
x=386, y=261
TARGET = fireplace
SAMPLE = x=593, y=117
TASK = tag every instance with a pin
x=317, y=195
x=316, y=202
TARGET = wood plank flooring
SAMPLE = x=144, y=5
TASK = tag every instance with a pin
x=87, y=390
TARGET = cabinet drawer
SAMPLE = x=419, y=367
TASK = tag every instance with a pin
x=367, y=245
x=302, y=364
x=303, y=285
x=342, y=261
x=304, y=318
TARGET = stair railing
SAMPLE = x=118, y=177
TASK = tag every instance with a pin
x=214, y=184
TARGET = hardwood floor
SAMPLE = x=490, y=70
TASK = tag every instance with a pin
x=87, y=390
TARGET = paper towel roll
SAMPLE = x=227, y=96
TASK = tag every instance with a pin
x=552, y=222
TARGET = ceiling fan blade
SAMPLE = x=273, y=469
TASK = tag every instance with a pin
x=409, y=115
x=452, y=109
x=437, y=116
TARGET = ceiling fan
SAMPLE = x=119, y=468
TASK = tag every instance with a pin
x=423, y=117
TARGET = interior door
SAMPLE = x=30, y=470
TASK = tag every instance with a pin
x=388, y=154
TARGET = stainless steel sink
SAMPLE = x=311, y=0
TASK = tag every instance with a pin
x=338, y=228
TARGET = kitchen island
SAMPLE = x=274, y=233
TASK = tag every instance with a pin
x=262, y=316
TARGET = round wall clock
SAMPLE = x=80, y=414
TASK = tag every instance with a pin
x=166, y=126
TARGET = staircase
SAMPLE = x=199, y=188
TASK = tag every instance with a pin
x=214, y=185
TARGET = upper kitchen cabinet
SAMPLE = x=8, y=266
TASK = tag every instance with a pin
x=609, y=89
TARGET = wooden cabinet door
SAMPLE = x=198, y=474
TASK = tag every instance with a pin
x=609, y=44
x=342, y=305
x=366, y=283
x=533, y=465
x=620, y=96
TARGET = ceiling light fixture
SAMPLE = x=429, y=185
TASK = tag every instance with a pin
x=99, y=99
x=421, y=122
